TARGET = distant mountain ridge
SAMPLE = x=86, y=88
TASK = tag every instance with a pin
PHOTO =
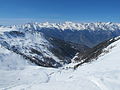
x=73, y=26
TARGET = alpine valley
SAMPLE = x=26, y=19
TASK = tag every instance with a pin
x=60, y=56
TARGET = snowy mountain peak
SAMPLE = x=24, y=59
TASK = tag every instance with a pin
x=74, y=26
x=68, y=25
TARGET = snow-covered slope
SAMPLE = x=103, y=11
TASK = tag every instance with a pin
x=102, y=74
x=11, y=61
x=8, y=59
x=28, y=44
x=95, y=52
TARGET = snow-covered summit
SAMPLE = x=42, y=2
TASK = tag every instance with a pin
x=66, y=25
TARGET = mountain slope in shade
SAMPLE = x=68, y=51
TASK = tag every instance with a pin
x=101, y=74
x=95, y=52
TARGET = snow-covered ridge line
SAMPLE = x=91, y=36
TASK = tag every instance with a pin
x=72, y=26
x=95, y=52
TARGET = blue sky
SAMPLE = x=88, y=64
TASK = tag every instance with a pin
x=23, y=11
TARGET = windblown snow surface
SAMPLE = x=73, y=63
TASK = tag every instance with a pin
x=102, y=74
